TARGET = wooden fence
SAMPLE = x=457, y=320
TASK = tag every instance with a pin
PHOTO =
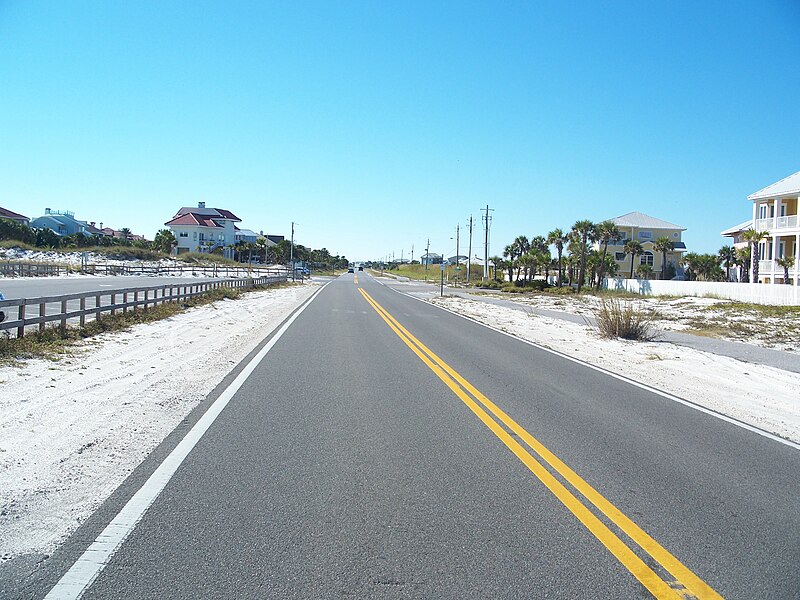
x=25, y=269
x=29, y=269
x=77, y=308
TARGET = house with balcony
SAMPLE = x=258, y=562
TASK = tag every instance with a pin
x=204, y=229
x=775, y=212
x=646, y=229
x=63, y=222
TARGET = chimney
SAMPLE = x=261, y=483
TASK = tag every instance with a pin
x=91, y=223
x=47, y=211
x=261, y=232
x=101, y=224
x=201, y=205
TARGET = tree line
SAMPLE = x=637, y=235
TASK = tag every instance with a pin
x=579, y=263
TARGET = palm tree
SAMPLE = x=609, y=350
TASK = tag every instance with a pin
x=606, y=233
x=663, y=244
x=125, y=233
x=557, y=238
x=583, y=230
x=727, y=255
x=634, y=248
x=743, y=259
x=787, y=262
x=754, y=237
x=644, y=271
x=497, y=261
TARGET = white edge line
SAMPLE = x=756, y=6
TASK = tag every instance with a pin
x=85, y=570
x=638, y=384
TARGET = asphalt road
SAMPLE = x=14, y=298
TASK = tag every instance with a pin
x=351, y=465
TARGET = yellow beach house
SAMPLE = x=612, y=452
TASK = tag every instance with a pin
x=646, y=229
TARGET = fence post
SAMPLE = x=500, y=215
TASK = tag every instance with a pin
x=83, y=311
x=63, y=317
x=97, y=306
x=125, y=302
x=21, y=314
x=113, y=304
x=146, y=293
x=42, y=311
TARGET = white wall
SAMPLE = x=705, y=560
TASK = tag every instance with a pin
x=757, y=293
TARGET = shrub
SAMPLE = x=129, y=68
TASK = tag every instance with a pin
x=488, y=285
x=617, y=321
x=560, y=291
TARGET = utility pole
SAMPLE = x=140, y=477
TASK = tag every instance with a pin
x=291, y=251
x=458, y=262
x=487, y=222
x=469, y=254
x=427, y=254
x=412, y=253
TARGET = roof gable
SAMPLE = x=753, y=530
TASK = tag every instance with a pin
x=787, y=185
x=218, y=213
x=194, y=219
x=637, y=219
x=10, y=214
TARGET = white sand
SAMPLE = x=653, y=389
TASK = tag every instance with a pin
x=72, y=430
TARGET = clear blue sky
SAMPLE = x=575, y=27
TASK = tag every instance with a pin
x=376, y=125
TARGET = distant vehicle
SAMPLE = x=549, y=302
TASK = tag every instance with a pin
x=302, y=271
x=678, y=278
x=350, y=270
x=2, y=313
x=360, y=268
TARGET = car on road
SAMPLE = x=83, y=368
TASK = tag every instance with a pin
x=350, y=270
x=360, y=268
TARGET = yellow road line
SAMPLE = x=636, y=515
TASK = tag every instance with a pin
x=688, y=583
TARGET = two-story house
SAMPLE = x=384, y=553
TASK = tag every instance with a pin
x=775, y=212
x=204, y=229
x=63, y=222
x=646, y=229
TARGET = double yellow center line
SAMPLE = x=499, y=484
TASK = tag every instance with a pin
x=676, y=580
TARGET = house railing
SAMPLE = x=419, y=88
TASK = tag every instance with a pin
x=767, y=266
x=78, y=308
x=786, y=222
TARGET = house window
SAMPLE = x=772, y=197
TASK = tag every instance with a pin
x=619, y=256
x=675, y=235
x=646, y=259
x=762, y=211
x=202, y=236
x=194, y=236
x=184, y=234
x=623, y=235
x=645, y=235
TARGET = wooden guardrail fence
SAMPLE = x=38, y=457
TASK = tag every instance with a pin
x=86, y=305
x=32, y=269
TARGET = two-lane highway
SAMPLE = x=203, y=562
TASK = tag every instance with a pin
x=386, y=448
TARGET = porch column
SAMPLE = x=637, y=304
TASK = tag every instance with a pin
x=797, y=259
x=753, y=255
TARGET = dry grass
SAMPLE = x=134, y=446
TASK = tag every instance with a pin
x=618, y=320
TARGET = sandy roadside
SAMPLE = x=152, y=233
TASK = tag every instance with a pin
x=73, y=429
x=762, y=396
